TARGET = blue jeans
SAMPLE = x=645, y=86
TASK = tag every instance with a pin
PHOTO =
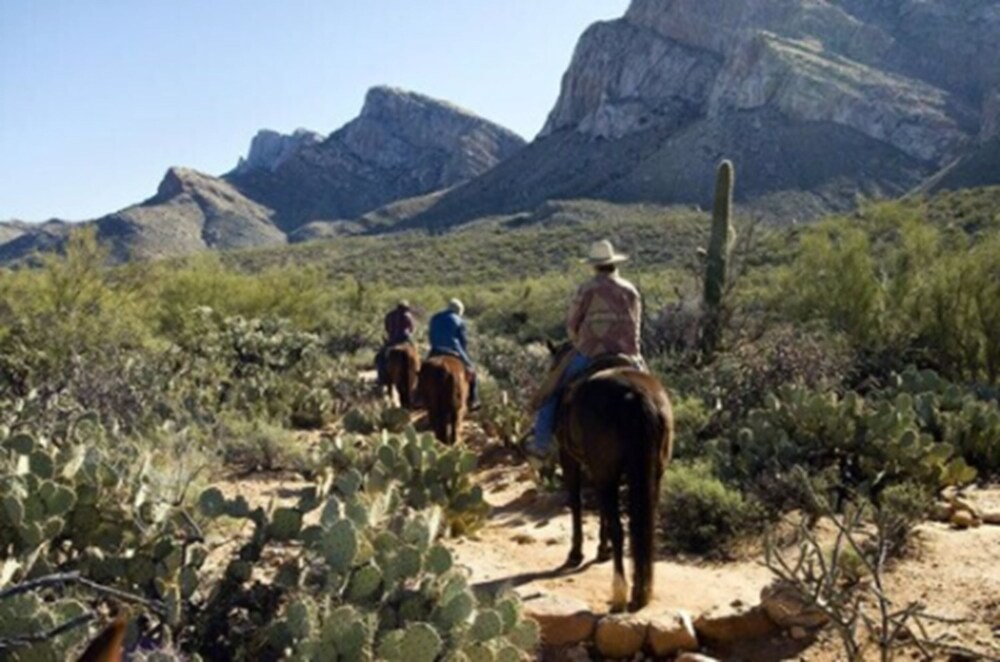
x=545, y=420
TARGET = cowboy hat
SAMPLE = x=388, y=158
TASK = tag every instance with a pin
x=456, y=307
x=602, y=253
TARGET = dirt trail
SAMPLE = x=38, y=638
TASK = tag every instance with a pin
x=527, y=540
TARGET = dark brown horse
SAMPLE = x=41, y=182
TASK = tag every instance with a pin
x=402, y=367
x=444, y=389
x=616, y=425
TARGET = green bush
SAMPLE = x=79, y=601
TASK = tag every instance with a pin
x=896, y=283
x=700, y=514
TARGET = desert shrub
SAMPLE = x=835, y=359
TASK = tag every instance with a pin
x=260, y=367
x=255, y=445
x=957, y=313
x=900, y=509
x=854, y=444
x=518, y=367
x=902, y=289
x=300, y=295
x=782, y=356
x=691, y=417
x=700, y=514
x=66, y=313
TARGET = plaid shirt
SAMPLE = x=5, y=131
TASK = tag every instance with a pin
x=605, y=317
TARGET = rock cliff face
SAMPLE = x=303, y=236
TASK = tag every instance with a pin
x=661, y=94
x=402, y=145
x=269, y=149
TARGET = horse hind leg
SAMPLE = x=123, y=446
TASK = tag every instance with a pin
x=573, y=480
x=608, y=495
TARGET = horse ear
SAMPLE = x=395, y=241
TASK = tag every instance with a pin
x=551, y=345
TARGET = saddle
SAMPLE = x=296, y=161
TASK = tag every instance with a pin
x=552, y=383
x=404, y=345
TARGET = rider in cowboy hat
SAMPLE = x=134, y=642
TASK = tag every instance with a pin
x=604, y=318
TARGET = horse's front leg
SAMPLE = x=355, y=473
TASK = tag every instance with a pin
x=572, y=477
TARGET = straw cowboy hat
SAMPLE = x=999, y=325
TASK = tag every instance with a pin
x=456, y=307
x=602, y=253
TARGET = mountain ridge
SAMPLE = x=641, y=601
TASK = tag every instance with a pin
x=402, y=144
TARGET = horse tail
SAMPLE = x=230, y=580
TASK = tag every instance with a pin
x=643, y=471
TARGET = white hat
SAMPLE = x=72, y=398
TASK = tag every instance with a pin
x=456, y=307
x=602, y=253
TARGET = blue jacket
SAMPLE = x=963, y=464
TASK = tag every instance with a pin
x=447, y=335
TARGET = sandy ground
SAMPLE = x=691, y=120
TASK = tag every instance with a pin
x=527, y=541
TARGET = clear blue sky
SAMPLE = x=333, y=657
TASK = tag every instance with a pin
x=99, y=97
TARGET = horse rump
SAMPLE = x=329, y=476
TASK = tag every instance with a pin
x=444, y=389
x=402, y=369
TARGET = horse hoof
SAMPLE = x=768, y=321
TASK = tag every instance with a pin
x=634, y=606
x=575, y=560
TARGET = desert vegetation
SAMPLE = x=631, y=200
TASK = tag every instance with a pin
x=852, y=372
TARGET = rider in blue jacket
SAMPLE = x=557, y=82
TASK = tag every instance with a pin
x=448, y=336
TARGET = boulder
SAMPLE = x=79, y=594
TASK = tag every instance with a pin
x=724, y=625
x=620, y=635
x=670, y=634
x=694, y=657
x=788, y=608
x=563, y=621
x=963, y=519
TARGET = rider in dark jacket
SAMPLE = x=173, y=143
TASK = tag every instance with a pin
x=399, y=327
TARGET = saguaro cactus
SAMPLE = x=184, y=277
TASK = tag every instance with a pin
x=720, y=247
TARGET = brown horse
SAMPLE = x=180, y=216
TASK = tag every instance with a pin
x=107, y=647
x=402, y=367
x=612, y=425
x=444, y=388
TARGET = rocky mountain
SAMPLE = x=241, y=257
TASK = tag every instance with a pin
x=817, y=100
x=190, y=212
x=269, y=149
x=402, y=145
